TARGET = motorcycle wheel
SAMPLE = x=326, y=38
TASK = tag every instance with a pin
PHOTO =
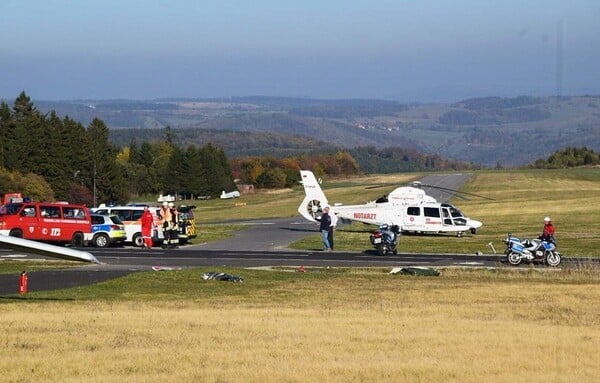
x=513, y=258
x=380, y=250
x=552, y=258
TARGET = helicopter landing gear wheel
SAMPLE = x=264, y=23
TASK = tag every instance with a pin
x=473, y=230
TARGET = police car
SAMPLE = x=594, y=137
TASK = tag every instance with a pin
x=107, y=230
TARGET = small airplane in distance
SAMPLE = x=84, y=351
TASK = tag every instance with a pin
x=232, y=194
x=408, y=207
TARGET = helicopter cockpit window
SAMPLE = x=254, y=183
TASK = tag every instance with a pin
x=454, y=212
x=382, y=199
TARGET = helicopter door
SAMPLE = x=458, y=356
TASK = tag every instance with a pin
x=413, y=219
x=447, y=216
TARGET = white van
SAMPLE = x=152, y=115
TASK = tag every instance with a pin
x=131, y=216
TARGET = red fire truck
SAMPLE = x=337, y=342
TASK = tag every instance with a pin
x=58, y=222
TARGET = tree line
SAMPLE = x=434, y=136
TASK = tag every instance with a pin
x=272, y=172
x=568, y=157
x=52, y=158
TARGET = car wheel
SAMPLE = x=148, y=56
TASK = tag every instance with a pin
x=101, y=240
x=138, y=240
x=16, y=233
x=77, y=240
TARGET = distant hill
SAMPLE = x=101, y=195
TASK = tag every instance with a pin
x=490, y=131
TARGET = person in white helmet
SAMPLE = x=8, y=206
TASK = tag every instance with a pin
x=548, y=231
x=171, y=227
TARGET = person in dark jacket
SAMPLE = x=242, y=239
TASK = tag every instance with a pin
x=324, y=228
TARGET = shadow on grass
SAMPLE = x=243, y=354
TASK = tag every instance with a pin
x=34, y=299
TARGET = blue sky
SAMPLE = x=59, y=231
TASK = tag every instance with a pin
x=405, y=50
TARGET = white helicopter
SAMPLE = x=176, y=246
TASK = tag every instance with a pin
x=409, y=207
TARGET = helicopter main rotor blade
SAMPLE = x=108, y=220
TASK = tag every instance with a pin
x=456, y=192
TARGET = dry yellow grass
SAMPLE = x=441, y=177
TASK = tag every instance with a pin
x=461, y=327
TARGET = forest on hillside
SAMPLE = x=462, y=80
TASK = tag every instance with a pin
x=510, y=131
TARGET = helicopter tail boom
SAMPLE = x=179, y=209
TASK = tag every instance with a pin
x=314, y=201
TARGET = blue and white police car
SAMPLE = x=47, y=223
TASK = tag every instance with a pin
x=107, y=230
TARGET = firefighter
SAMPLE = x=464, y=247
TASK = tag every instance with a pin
x=173, y=226
x=165, y=218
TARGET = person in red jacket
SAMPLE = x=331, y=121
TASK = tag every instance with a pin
x=548, y=231
x=147, y=228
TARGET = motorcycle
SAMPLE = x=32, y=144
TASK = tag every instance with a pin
x=385, y=239
x=531, y=250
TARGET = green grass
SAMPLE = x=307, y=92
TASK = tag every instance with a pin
x=267, y=288
x=14, y=266
x=215, y=232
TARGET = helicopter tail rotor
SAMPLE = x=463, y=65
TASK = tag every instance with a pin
x=314, y=201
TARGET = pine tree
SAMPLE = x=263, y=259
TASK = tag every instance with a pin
x=175, y=177
x=7, y=127
x=107, y=174
x=28, y=149
x=196, y=176
x=217, y=170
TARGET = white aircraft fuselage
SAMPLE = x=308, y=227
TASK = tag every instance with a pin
x=408, y=207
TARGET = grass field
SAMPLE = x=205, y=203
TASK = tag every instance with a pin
x=333, y=325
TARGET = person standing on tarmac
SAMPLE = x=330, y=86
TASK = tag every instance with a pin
x=334, y=220
x=325, y=224
x=173, y=232
x=147, y=228
x=166, y=219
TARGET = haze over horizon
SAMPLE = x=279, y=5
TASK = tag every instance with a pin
x=427, y=51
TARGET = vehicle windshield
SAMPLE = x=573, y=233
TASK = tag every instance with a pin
x=10, y=209
x=454, y=212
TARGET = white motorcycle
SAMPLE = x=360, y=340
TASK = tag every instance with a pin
x=531, y=250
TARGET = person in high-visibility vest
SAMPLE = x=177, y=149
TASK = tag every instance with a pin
x=147, y=228
x=165, y=217
x=174, y=225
